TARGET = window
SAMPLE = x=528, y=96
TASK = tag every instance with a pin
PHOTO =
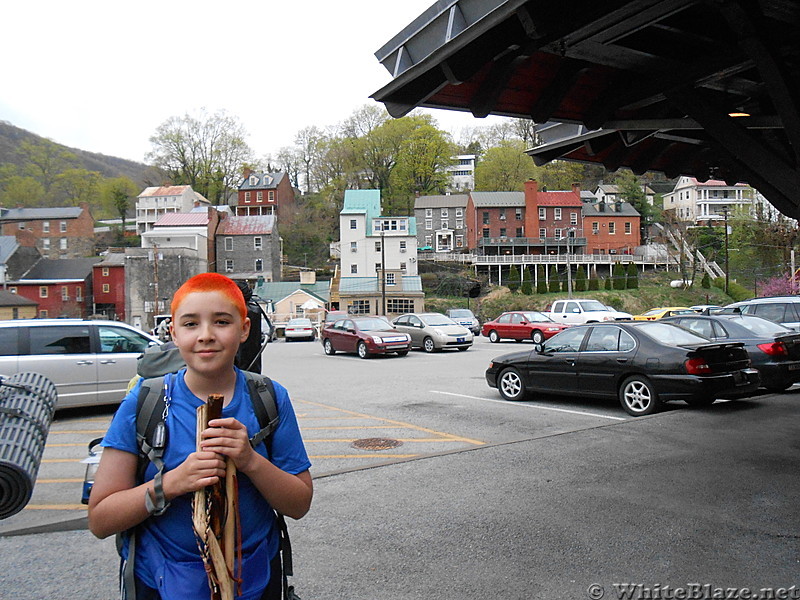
x=459, y=223
x=403, y=267
x=353, y=269
x=518, y=214
x=459, y=241
x=106, y=288
x=43, y=291
x=542, y=212
x=253, y=180
x=42, y=314
x=45, y=243
x=377, y=246
x=612, y=227
x=486, y=217
x=353, y=246
x=257, y=243
x=229, y=265
x=429, y=212
x=59, y=340
x=13, y=290
x=486, y=234
x=444, y=213
x=627, y=227
x=573, y=218
x=21, y=226
x=502, y=232
x=228, y=244
x=429, y=224
x=271, y=196
x=399, y=305
x=519, y=232
x=459, y=212
x=557, y=214
x=428, y=240
x=402, y=224
x=559, y=233
x=595, y=227
x=105, y=271
x=390, y=279
x=353, y=224
x=377, y=267
x=542, y=232
x=502, y=214
x=247, y=197
x=64, y=293
x=62, y=243
x=79, y=294
x=259, y=265
x=45, y=226
x=358, y=307
x=445, y=224
x=259, y=196
x=63, y=226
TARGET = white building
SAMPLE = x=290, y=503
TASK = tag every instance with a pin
x=462, y=173
x=154, y=202
x=373, y=244
x=701, y=203
x=610, y=193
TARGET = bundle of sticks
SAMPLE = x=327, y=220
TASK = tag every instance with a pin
x=216, y=518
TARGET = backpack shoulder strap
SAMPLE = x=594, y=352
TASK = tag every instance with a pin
x=151, y=437
x=262, y=396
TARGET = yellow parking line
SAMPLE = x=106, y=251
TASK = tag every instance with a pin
x=340, y=427
x=77, y=431
x=65, y=480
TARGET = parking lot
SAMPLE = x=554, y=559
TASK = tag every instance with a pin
x=537, y=499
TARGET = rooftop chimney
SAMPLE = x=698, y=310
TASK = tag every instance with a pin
x=576, y=188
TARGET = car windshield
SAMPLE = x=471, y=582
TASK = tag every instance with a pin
x=593, y=305
x=536, y=317
x=436, y=320
x=299, y=323
x=462, y=313
x=762, y=326
x=373, y=324
x=666, y=333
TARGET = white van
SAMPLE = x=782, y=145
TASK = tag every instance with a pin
x=90, y=362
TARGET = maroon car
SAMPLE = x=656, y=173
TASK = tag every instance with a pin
x=522, y=325
x=365, y=336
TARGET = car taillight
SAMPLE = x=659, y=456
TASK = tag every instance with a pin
x=697, y=366
x=774, y=349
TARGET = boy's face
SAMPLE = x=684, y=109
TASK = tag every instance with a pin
x=207, y=328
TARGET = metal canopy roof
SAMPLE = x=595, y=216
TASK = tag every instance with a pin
x=645, y=84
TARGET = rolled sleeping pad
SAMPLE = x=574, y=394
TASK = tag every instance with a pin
x=27, y=405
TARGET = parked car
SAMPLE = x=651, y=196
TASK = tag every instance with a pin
x=465, y=318
x=299, y=329
x=774, y=349
x=781, y=309
x=334, y=315
x=583, y=310
x=522, y=325
x=642, y=363
x=433, y=331
x=90, y=362
x=365, y=336
x=665, y=311
x=706, y=308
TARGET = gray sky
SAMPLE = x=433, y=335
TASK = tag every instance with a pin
x=101, y=76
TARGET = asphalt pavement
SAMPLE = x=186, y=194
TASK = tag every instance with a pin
x=684, y=499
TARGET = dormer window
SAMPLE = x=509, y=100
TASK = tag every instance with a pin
x=267, y=180
x=253, y=180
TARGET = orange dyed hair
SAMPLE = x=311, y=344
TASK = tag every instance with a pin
x=210, y=282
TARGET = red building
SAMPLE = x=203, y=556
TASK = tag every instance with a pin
x=61, y=232
x=62, y=288
x=108, y=285
x=266, y=194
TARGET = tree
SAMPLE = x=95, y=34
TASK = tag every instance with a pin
x=116, y=195
x=705, y=283
x=632, y=280
x=555, y=282
x=560, y=175
x=22, y=191
x=513, y=278
x=594, y=283
x=78, y=185
x=44, y=160
x=541, y=284
x=204, y=151
x=608, y=284
x=421, y=163
x=619, y=275
x=580, y=279
x=504, y=168
x=631, y=190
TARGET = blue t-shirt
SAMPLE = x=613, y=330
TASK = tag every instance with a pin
x=170, y=538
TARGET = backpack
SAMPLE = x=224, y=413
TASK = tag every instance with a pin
x=151, y=437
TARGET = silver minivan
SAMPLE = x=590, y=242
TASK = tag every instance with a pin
x=90, y=362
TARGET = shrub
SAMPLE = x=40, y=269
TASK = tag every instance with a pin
x=735, y=290
x=593, y=284
x=607, y=284
x=541, y=283
x=555, y=282
x=513, y=278
x=618, y=274
x=632, y=281
x=580, y=279
x=705, y=283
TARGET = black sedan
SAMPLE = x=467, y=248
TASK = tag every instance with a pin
x=366, y=336
x=774, y=349
x=643, y=364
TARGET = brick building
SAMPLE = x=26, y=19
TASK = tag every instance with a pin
x=66, y=232
x=62, y=288
x=266, y=194
x=248, y=247
x=108, y=285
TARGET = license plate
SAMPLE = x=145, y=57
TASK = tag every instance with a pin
x=460, y=340
x=739, y=378
x=794, y=367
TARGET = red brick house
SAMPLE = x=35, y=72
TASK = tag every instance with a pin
x=611, y=228
x=108, y=286
x=62, y=288
x=66, y=232
x=266, y=194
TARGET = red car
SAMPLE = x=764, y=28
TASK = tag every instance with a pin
x=522, y=325
x=365, y=336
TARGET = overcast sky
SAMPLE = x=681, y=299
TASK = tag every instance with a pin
x=101, y=76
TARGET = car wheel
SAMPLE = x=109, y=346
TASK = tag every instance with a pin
x=638, y=396
x=510, y=386
x=537, y=337
x=328, y=347
x=402, y=353
x=493, y=336
x=428, y=345
x=362, y=350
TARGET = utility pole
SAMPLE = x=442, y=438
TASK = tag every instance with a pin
x=725, y=210
x=569, y=266
x=383, y=271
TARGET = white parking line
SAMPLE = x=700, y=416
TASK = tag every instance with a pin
x=526, y=405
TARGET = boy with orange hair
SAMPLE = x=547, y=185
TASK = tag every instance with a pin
x=208, y=323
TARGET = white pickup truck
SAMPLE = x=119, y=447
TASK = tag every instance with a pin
x=580, y=310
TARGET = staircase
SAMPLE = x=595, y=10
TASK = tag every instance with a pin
x=708, y=266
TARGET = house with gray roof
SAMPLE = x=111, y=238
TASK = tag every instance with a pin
x=61, y=287
x=441, y=223
x=14, y=306
x=261, y=194
x=249, y=248
x=58, y=232
x=15, y=258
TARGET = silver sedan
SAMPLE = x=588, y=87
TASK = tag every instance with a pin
x=433, y=331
